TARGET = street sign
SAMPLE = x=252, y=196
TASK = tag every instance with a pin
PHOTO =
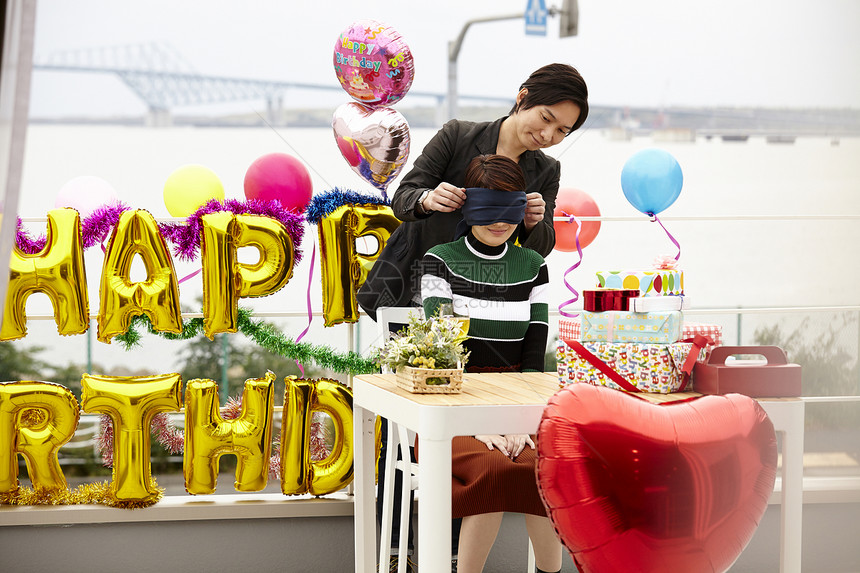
x=535, y=18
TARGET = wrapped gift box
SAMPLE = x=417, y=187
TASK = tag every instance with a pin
x=615, y=326
x=601, y=300
x=656, y=282
x=658, y=303
x=712, y=331
x=771, y=377
x=571, y=329
x=648, y=367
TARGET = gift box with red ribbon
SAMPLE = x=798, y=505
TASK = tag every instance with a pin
x=634, y=367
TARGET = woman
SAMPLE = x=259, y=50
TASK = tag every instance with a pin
x=502, y=288
x=550, y=105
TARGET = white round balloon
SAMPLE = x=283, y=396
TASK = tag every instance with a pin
x=86, y=194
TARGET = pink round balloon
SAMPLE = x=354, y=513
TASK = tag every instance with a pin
x=279, y=177
x=373, y=63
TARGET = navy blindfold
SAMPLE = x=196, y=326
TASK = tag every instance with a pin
x=488, y=206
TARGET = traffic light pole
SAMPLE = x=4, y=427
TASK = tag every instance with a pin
x=454, y=53
x=569, y=13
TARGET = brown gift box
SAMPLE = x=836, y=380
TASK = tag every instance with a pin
x=775, y=378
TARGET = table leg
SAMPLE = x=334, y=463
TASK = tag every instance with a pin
x=791, y=522
x=364, y=507
x=788, y=420
x=434, y=505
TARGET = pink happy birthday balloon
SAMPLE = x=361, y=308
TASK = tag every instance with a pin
x=373, y=63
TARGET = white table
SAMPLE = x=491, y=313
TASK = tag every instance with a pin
x=496, y=404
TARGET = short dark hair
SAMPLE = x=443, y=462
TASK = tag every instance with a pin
x=552, y=84
x=495, y=172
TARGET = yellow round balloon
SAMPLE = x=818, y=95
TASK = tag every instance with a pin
x=190, y=187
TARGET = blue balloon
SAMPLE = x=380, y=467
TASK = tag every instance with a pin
x=651, y=180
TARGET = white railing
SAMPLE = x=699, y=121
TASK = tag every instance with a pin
x=230, y=506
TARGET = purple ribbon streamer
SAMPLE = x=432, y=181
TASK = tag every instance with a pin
x=310, y=309
x=671, y=238
x=186, y=277
x=571, y=269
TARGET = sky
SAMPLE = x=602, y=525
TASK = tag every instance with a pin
x=763, y=53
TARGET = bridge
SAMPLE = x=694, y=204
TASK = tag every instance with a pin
x=164, y=80
x=160, y=77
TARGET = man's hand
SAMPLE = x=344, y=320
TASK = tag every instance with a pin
x=535, y=209
x=444, y=198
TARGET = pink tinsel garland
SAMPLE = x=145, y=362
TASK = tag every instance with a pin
x=173, y=439
x=96, y=227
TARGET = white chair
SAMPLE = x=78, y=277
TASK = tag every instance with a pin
x=389, y=320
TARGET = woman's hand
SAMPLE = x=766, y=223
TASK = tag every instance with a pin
x=495, y=441
x=444, y=198
x=517, y=443
x=511, y=445
x=535, y=210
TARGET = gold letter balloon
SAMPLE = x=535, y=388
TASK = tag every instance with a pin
x=137, y=233
x=58, y=271
x=299, y=473
x=226, y=280
x=343, y=269
x=36, y=418
x=131, y=402
x=208, y=436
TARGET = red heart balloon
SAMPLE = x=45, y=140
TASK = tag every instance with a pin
x=635, y=486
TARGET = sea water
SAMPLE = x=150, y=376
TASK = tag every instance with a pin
x=728, y=263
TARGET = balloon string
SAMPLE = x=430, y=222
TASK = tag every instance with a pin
x=310, y=309
x=571, y=269
x=194, y=274
x=671, y=238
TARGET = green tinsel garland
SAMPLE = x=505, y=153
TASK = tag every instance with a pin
x=265, y=335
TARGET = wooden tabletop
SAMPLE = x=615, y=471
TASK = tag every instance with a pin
x=510, y=388
x=503, y=388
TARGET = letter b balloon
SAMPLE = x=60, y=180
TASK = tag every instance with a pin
x=651, y=180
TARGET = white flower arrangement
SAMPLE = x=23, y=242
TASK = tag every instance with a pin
x=435, y=343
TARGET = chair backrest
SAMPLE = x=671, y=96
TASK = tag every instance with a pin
x=392, y=319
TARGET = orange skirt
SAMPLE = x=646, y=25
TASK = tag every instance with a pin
x=488, y=481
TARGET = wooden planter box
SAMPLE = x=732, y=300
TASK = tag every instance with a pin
x=415, y=380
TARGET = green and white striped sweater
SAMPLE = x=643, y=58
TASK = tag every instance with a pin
x=505, y=291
